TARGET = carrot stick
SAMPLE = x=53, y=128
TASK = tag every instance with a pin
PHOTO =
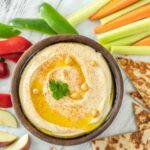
x=144, y=42
x=112, y=7
x=138, y=14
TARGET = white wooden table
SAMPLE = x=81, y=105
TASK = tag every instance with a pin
x=9, y=9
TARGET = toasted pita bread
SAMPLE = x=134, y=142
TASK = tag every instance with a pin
x=139, y=140
x=139, y=74
x=131, y=141
x=136, y=96
x=142, y=117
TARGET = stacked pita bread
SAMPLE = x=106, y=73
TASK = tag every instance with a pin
x=139, y=74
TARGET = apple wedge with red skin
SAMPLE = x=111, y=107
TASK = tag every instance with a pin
x=7, y=138
x=7, y=119
x=22, y=144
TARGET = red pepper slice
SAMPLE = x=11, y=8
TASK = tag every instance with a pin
x=12, y=57
x=4, y=71
x=5, y=100
x=14, y=45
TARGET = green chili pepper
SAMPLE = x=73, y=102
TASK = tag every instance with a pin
x=7, y=31
x=38, y=25
x=56, y=21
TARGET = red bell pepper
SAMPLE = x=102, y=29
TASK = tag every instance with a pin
x=5, y=100
x=4, y=71
x=14, y=45
x=12, y=57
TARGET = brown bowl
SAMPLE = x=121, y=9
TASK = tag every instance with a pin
x=118, y=83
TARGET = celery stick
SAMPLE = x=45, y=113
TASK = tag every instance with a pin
x=131, y=50
x=86, y=11
x=127, y=30
x=128, y=40
x=124, y=11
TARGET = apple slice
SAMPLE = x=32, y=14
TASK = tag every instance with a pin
x=22, y=144
x=6, y=138
x=5, y=100
x=7, y=119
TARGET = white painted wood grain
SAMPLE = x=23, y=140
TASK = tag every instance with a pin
x=9, y=9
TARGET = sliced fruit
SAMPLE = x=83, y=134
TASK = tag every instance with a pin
x=7, y=119
x=22, y=144
x=7, y=138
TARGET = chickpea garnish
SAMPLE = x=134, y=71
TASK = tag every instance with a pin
x=35, y=91
x=84, y=87
x=75, y=95
x=68, y=60
x=95, y=113
x=93, y=63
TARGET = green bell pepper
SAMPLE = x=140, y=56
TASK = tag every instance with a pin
x=7, y=31
x=38, y=25
x=56, y=21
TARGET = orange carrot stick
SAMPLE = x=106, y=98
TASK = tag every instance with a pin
x=112, y=7
x=138, y=14
x=144, y=42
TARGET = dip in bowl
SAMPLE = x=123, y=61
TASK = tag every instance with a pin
x=67, y=89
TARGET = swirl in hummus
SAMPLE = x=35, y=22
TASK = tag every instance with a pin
x=89, y=81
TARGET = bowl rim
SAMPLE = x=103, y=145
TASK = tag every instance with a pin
x=33, y=50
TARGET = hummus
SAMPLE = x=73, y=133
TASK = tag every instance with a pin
x=90, y=83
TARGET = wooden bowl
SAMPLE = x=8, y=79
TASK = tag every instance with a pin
x=118, y=83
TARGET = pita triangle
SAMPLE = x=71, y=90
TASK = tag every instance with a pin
x=142, y=117
x=139, y=140
x=139, y=74
x=136, y=96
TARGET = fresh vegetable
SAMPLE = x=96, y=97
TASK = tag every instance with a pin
x=7, y=119
x=129, y=40
x=127, y=30
x=7, y=31
x=143, y=42
x=12, y=57
x=111, y=7
x=38, y=25
x=4, y=71
x=14, y=45
x=86, y=11
x=5, y=100
x=138, y=14
x=124, y=11
x=56, y=21
x=58, y=89
x=131, y=50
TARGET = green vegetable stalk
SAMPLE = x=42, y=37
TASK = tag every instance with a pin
x=86, y=11
x=128, y=40
x=7, y=31
x=56, y=21
x=131, y=50
x=127, y=30
x=38, y=25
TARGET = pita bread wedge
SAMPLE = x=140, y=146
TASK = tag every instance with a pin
x=139, y=74
x=139, y=140
x=142, y=117
x=136, y=96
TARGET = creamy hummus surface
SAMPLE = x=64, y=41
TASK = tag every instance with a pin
x=90, y=84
